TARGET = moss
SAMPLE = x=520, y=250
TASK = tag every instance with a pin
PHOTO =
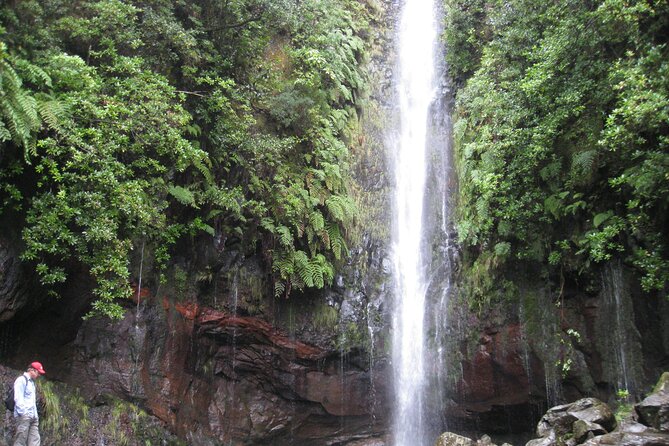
x=352, y=337
x=325, y=316
x=68, y=418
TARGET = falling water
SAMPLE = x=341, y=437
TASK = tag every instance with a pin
x=416, y=92
x=622, y=338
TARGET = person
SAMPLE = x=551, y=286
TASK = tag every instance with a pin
x=25, y=406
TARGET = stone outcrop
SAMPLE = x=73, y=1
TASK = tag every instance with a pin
x=451, y=439
x=500, y=383
x=18, y=289
x=591, y=422
x=215, y=376
x=653, y=411
x=575, y=422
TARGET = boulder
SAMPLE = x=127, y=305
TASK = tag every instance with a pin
x=574, y=423
x=654, y=410
x=584, y=430
x=593, y=411
x=485, y=441
x=629, y=439
x=545, y=441
x=451, y=439
x=557, y=421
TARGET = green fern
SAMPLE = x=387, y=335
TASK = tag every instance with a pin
x=285, y=237
x=267, y=224
x=583, y=166
x=4, y=133
x=18, y=109
x=317, y=221
x=32, y=73
x=283, y=263
x=52, y=111
x=279, y=288
x=204, y=166
x=321, y=270
x=182, y=195
x=337, y=242
x=303, y=269
x=341, y=208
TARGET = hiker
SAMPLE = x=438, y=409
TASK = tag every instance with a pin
x=25, y=406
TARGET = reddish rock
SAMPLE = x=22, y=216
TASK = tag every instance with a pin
x=210, y=374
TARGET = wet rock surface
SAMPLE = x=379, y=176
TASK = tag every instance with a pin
x=591, y=422
x=451, y=439
x=653, y=411
x=214, y=376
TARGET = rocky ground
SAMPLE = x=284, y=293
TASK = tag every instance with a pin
x=590, y=422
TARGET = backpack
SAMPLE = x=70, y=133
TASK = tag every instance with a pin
x=9, y=398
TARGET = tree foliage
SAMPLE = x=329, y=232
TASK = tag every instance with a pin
x=154, y=121
x=561, y=133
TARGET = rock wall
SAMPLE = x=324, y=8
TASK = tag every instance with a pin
x=217, y=359
x=539, y=349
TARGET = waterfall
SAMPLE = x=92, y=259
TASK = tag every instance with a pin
x=418, y=100
x=619, y=335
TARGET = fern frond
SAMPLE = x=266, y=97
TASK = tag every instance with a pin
x=337, y=242
x=204, y=169
x=27, y=106
x=341, y=208
x=335, y=208
x=285, y=237
x=4, y=133
x=18, y=110
x=279, y=288
x=583, y=166
x=267, y=224
x=182, y=195
x=32, y=73
x=325, y=269
x=316, y=221
x=52, y=111
x=303, y=268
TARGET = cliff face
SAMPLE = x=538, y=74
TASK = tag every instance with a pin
x=214, y=375
x=539, y=349
x=217, y=375
x=218, y=359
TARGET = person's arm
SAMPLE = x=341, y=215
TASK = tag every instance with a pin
x=19, y=395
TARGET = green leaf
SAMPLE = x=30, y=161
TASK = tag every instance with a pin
x=601, y=218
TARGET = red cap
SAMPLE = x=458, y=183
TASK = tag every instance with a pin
x=38, y=366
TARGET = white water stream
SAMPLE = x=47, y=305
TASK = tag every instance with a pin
x=417, y=85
